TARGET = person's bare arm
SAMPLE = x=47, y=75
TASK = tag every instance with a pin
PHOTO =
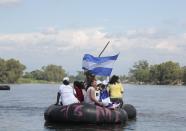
x=58, y=96
x=93, y=98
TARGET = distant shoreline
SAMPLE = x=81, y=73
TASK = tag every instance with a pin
x=32, y=81
x=143, y=83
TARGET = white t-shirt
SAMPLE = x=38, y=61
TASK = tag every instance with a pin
x=88, y=97
x=67, y=96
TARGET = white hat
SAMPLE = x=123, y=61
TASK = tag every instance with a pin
x=98, y=82
x=66, y=78
x=105, y=82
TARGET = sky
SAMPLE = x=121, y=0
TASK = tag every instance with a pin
x=60, y=32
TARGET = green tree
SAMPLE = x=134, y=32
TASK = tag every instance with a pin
x=166, y=73
x=78, y=77
x=53, y=73
x=3, y=74
x=123, y=78
x=10, y=70
x=27, y=75
x=140, y=71
x=184, y=75
x=14, y=70
x=37, y=74
x=154, y=74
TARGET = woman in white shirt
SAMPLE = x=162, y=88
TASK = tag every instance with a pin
x=91, y=94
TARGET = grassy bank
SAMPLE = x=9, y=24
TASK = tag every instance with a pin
x=29, y=80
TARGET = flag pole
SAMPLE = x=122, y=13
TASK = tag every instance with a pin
x=88, y=75
x=104, y=48
x=108, y=77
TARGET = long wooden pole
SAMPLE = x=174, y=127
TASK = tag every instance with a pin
x=104, y=48
x=108, y=77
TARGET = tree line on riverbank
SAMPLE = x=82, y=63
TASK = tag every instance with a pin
x=165, y=73
x=12, y=71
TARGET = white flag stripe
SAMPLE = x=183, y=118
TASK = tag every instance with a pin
x=91, y=65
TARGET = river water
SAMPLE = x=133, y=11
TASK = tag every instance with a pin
x=159, y=108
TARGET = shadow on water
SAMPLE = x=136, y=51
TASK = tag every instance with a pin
x=83, y=127
x=88, y=127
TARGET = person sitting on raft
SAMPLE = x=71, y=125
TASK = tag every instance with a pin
x=89, y=77
x=115, y=90
x=91, y=94
x=83, y=88
x=105, y=98
x=104, y=95
x=66, y=93
x=97, y=92
x=78, y=86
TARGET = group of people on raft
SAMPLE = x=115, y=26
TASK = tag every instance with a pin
x=102, y=93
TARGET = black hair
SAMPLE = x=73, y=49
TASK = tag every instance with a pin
x=79, y=84
x=65, y=82
x=82, y=85
x=76, y=83
x=103, y=86
x=114, y=79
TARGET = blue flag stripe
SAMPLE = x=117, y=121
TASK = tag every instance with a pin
x=99, y=65
x=90, y=58
x=101, y=71
x=91, y=65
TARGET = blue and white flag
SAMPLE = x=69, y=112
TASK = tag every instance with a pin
x=101, y=66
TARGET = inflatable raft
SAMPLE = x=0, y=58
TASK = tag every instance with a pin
x=4, y=87
x=85, y=113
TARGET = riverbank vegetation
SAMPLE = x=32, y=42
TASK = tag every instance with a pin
x=12, y=71
x=165, y=73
